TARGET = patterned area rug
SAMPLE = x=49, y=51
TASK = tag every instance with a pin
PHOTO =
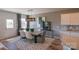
x=17, y=43
x=25, y=45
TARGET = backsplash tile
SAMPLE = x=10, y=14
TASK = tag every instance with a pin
x=70, y=27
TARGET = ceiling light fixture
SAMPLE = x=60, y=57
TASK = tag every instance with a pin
x=30, y=15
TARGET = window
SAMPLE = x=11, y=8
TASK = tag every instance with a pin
x=9, y=23
x=37, y=21
x=23, y=23
x=33, y=24
x=43, y=18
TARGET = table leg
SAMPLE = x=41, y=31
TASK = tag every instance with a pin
x=35, y=39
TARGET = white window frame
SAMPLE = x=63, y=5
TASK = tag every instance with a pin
x=9, y=23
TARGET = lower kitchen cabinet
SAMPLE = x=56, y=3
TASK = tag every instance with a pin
x=70, y=41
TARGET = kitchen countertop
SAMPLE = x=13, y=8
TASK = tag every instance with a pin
x=72, y=33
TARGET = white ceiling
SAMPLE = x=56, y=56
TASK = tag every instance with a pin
x=34, y=10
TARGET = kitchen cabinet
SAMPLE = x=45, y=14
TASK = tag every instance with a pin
x=70, y=41
x=74, y=18
x=70, y=19
x=65, y=19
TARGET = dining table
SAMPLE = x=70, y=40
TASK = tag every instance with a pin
x=36, y=34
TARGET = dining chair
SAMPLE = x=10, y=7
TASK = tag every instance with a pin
x=29, y=36
x=23, y=34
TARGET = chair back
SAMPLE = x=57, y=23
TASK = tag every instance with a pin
x=22, y=33
x=29, y=35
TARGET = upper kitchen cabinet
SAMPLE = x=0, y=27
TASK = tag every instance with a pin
x=74, y=18
x=70, y=19
x=65, y=19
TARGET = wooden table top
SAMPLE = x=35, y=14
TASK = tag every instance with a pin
x=36, y=33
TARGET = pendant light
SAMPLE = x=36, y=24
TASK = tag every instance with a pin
x=30, y=17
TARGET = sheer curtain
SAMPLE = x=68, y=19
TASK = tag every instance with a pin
x=23, y=23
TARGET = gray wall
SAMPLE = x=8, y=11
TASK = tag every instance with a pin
x=4, y=32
